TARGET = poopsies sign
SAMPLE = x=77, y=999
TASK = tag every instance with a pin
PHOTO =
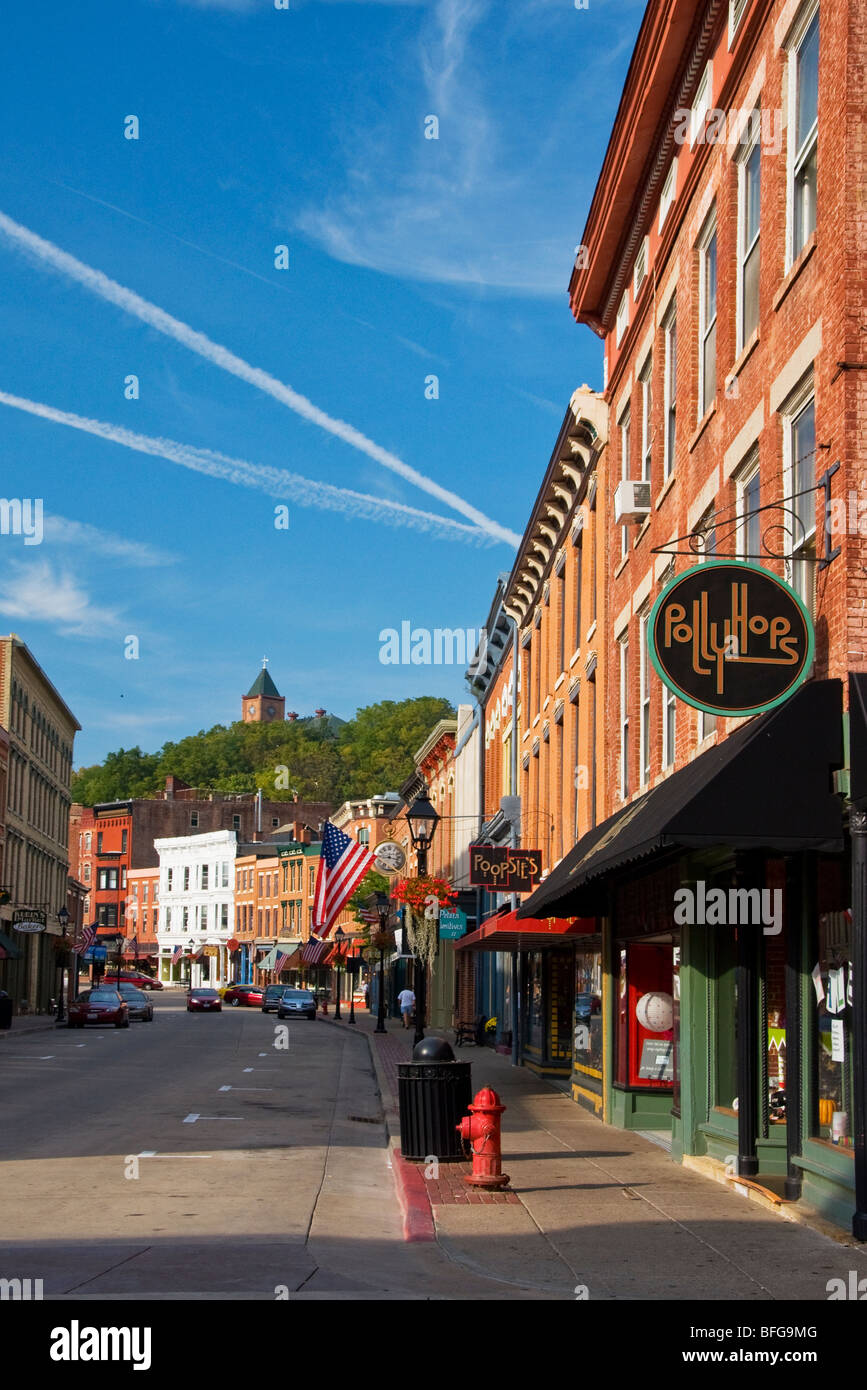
x=730, y=638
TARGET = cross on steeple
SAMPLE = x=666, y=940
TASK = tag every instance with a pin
x=265, y=660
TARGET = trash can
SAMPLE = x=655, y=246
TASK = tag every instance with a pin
x=434, y=1093
x=5, y=1010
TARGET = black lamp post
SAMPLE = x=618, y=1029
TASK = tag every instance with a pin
x=63, y=919
x=355, y=960
x=339, y=940
x=382, y=904
x=423, y=821
x=118, y=941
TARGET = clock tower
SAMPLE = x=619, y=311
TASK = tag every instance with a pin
x=263, y=703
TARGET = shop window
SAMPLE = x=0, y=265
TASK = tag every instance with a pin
x=588, y=1012
x=832, y=1030
x=725, y=1084
x=535, y=1013
x=645, y=1016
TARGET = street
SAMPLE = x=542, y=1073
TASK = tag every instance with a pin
x=192, y=1157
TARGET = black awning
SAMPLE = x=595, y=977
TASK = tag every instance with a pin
x=767, y=786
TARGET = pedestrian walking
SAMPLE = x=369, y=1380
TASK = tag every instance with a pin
x=406, y=1000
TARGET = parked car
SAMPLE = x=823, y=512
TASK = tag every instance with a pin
x=244, y=994
x=203, y=1001
x=137, y=1001
x=296, y=1003
x=271, y=998
x=99, y=1006
x=132, y=977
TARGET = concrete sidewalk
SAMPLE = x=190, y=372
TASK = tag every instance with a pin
x=602, y=1213
x=28, y=1023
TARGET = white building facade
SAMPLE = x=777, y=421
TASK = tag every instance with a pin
x=196, y=907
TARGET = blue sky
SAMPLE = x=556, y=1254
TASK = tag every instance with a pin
x=407, y=257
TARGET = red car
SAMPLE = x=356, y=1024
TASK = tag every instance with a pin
x=139, y=979
x=244, y=994
x=102, y=1006
x=203, y=1000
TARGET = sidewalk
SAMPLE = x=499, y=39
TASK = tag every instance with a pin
x=28, y=1023
x=599, y=1209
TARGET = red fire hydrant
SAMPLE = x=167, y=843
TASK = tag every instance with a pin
x=482, y=1128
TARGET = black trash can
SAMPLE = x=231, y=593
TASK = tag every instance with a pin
x=433, y=1095
x=5, y=1010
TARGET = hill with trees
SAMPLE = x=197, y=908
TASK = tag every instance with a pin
x=368, y=754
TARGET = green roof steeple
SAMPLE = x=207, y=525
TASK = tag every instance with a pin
x=263, y=684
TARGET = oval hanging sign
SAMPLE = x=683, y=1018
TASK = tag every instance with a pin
x=730, y=638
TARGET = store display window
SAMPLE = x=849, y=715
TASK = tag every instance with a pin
x=587, y=1021
x=832, y=1030
x=645, y=1016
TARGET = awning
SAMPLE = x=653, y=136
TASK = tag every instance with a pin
x=8, y=949
x=503, y=932
x=767, y=786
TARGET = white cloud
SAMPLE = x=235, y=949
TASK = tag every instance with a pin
x=60, y=530
x=41, y=594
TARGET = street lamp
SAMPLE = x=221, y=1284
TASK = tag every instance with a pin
x=382, y=906
x=423, y=821
x=118, y=941
x=63, y=919
x=339, y=939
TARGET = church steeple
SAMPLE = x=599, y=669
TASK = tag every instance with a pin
x=263, y=703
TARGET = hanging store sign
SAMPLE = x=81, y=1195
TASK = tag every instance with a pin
x=453, y=924
x=28, y=919
x=504, y=870
x=730, y=638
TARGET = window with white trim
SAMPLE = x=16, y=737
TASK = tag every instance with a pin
x=701, y=104
x=625, y=447
x=668, y=194
x=706, y=528
x=799, y=456
x=748, y=500
x=622, y=318
x=736, y=12
x=645, y=377
x=639, y=271
x=624, y=718
x=803, y=123
x=669, y=330
x=707, y=248
x=644, y=702
x=749, y=225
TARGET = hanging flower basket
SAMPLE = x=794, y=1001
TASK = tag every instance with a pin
x=414, y=892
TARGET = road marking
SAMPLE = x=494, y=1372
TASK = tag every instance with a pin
x=152, y=1153
x=191, y=1119
x=246, y=1088
x=264, y=1054
x=248, y=1069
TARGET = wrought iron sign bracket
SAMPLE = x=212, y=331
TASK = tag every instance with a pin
x=827, y=555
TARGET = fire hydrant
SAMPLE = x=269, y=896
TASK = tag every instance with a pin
x=482, y=1128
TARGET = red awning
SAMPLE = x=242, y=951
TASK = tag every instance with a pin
x=503, y=932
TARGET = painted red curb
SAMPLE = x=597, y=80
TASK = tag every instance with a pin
x=418, y=1222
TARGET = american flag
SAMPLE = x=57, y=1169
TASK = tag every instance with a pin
x=86, y=940
x=314, y=951
x=342, y=866
x=280, y=962
x=176, y=954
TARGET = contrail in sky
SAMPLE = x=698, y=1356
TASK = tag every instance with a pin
x=277, y=482
x=154, y=317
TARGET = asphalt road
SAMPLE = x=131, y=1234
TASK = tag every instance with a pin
x=205, y=1156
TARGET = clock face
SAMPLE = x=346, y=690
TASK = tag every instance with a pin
x=389, y=857
x=251, y=709
x=270, y=709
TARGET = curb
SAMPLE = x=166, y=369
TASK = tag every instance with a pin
x=25, y=1032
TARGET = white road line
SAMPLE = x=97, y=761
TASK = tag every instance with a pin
x=246, y=1088
x=191, y=1119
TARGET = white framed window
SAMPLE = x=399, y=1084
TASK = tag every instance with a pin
x=701, y=104
x=622, y=318
x=668, y=194
x=736, y=13
x=645, y=377
x=669, y=721
x=748, y=486
x=186, y=878
x=707, y=249
x=803, y=123
x=669, y=331
x=625, y=425
x=639, y=270
x=644, y=702
x=799, y=460
x=624, y=718
x=749, y=227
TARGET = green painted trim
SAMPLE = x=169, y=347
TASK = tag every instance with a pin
x=716, y=709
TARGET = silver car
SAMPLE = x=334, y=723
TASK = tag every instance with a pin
x=137, y=1002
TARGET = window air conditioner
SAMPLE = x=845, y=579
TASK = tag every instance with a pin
x=631, y=501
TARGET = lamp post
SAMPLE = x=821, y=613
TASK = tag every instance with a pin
x=382, y=905
x=423, y=821
x=63, y=919
x=339, y=940
x=352, y=972
x=118, y=941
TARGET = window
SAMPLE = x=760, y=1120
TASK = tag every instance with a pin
x=667, y=196
x=537, y=642
x=205, y=869
x=224, y=916
x=748, y=489
x=561, y=617
x=185, y=919
x=625, y=445
x=579, y=559
x=749, y=199
x=800, y=457
x=736, y=10
x=275, y=821
x=669, y=329
x=803, y=128
x=224, y=876
x=646, y=379
x=186, y=878
x=87, y=872
x=87, y=842
x=639, y=272
x=701, y=105
x=107, y=880
x=99, y=842
x=144, y=892
x=622, y=319
x=669, y=716
x=644, y=704
x=170, y=873
x=236, y=822
x=363, y=836
x=624, y=718
x=706, y=528
x=707, y=317
x=194, y=819
x=123, y=841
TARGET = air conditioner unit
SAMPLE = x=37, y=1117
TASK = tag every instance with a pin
x=631, y=501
